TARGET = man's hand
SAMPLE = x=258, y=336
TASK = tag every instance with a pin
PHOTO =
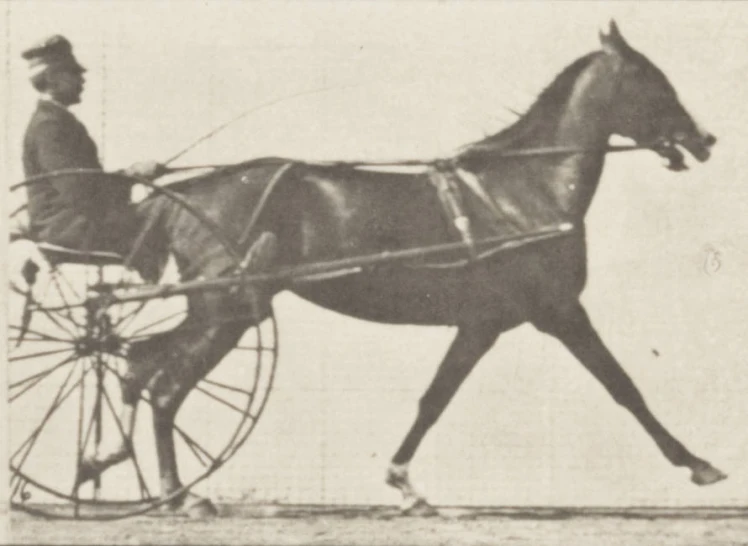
x=146, y=169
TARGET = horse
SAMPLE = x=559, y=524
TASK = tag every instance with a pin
x=327, y=211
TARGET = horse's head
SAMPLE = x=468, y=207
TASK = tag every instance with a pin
x=646, y=107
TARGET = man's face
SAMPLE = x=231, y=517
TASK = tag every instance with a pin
x=65, y=85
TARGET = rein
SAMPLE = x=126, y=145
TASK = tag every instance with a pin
x=522, y=152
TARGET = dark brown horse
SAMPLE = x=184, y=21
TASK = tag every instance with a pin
x=332, y=211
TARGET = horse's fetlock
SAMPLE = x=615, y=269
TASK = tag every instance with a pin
x=397, y=475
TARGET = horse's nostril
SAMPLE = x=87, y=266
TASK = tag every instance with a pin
x=710, y=140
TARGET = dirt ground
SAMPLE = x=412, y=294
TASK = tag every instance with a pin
x=372, y=526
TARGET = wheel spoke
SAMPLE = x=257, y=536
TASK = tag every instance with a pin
x=243, y=413
x=197, y=450
x=68, y=311
x=15, y=359
x=89, y=429
x=71, y=287
x=42, y=336
x=198, y=326
x=126, y=319
x=34, y=340
x=145, y=494
x=59, y=399
x=97, y=365
x=227, y=387
x=59, y=324
x=117, y=310
x=79, y=451
x=20, y=481
x=156, y=323
x=49, y=314
x=37, y=378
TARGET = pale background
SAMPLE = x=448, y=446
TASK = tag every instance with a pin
x=530, y=426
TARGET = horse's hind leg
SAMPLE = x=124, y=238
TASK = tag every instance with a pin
x=470, y=344
x=143, y=361
x=197, y=347
x=571, y=325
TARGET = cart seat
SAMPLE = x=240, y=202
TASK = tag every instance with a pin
x=59, y=254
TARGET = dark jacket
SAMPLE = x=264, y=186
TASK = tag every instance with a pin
x=70, y=210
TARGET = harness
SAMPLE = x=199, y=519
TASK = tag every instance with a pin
x=443, y=176
x=450, y=182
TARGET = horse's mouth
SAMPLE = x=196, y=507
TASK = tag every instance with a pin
x=673, y=150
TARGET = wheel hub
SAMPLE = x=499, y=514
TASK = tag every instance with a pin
x=99, y=336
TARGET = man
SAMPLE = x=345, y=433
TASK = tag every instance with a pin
x=82, y=212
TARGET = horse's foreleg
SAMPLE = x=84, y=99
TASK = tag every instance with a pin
x=572, y=327
x=470, y=344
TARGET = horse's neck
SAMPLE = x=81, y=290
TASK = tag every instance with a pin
x=580, y=123
x=584, y=124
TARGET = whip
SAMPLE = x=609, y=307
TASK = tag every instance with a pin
x=244, y=114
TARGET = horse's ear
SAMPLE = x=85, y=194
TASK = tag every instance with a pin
x=613, y=42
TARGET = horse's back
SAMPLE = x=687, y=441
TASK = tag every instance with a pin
x=347, y=211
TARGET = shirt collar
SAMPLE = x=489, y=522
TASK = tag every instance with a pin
x=45, y=97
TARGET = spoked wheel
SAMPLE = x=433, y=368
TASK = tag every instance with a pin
x=68, y=342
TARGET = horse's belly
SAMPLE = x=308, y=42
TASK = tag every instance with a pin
x=397, y=299
x=510, y=288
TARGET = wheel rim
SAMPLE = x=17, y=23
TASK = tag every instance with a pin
x=65, y=371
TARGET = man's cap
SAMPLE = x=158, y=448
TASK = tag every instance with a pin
x=54, y=51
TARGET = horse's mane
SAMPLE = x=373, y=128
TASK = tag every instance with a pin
x=543, y=111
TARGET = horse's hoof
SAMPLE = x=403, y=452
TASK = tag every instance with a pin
x=421, y=509
x=187, y=505
x=200, y=509
x=706, y=474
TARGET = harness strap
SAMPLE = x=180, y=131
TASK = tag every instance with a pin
x=263, y=201
x=474, y=185
x=444, y=179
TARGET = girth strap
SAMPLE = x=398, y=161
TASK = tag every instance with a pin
x=260, y=206
x=446, y=182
